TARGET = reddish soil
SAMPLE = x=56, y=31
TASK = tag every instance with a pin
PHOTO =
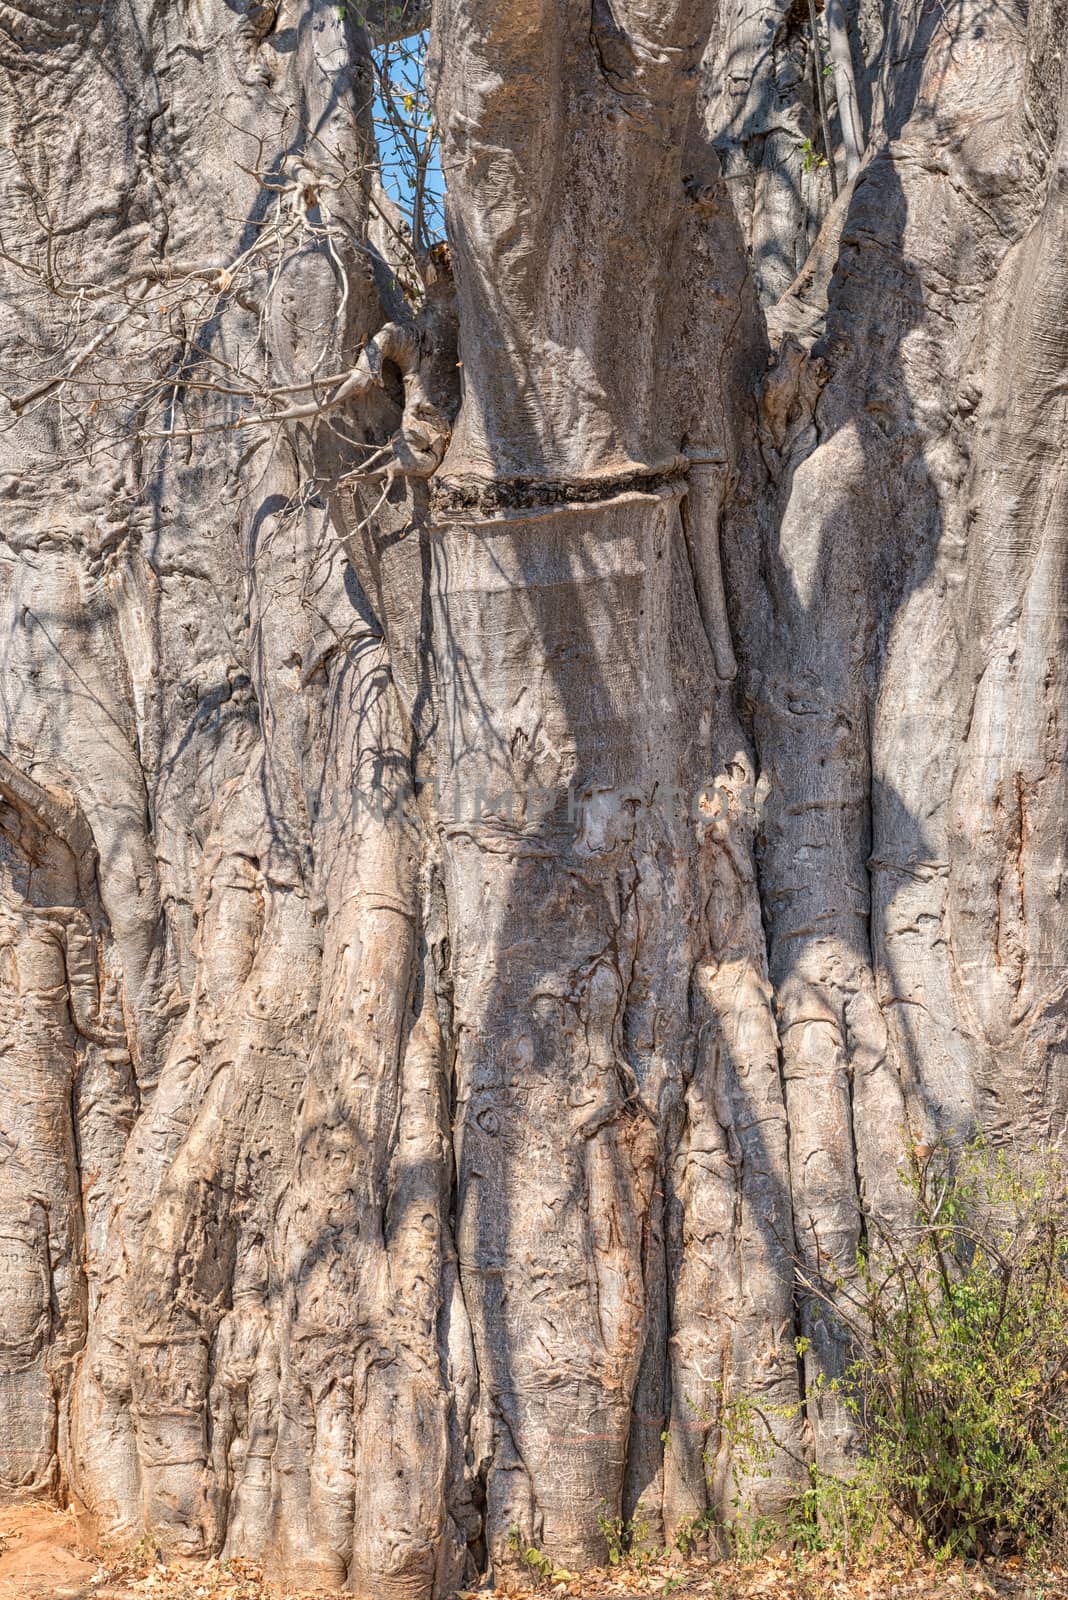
x=41, y=1554
x=46, y=1555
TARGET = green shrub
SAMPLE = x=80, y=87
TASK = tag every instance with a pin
x=959, y=1381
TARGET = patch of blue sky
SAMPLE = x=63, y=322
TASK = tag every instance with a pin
x=407, y=139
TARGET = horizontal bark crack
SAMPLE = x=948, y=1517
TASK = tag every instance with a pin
x=488, y=496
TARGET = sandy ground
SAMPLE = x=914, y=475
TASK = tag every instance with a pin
x=46, y=1555
x=41, y=1554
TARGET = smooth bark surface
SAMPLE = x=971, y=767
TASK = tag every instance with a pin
x=463, y=937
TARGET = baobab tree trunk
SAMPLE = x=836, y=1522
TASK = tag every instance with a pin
x=466, y=933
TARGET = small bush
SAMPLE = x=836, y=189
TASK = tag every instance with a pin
x=960, y=1376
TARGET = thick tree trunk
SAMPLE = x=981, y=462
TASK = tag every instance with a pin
x=460, y=939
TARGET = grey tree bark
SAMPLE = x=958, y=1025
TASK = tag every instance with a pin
x=463, y=934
